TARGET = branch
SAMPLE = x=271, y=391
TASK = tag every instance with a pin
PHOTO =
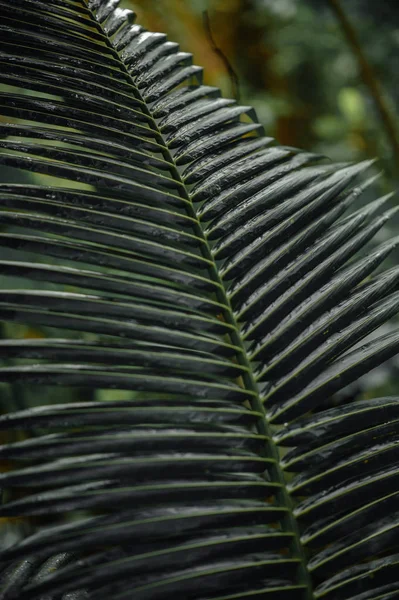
x=235, y=84
x=368, y=76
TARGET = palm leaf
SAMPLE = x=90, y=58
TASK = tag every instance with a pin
x=172, y=252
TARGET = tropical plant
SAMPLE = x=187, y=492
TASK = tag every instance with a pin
x=172, y=252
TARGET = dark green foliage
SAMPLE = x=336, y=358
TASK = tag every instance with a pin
x=172, y=254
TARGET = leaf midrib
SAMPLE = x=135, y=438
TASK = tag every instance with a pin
x=289, y=524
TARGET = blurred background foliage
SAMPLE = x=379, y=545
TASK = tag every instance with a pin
x=292, y=61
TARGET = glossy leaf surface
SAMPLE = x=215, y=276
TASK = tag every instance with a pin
x=199, y=292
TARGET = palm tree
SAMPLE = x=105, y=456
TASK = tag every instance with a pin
x=171, y=252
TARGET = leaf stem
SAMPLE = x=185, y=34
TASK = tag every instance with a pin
x=289, y=523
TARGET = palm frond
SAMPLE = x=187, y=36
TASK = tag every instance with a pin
x=172, y=252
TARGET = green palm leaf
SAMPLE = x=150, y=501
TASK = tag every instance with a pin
x=172, y=252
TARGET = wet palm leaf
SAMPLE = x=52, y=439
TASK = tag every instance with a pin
x=203, y=291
